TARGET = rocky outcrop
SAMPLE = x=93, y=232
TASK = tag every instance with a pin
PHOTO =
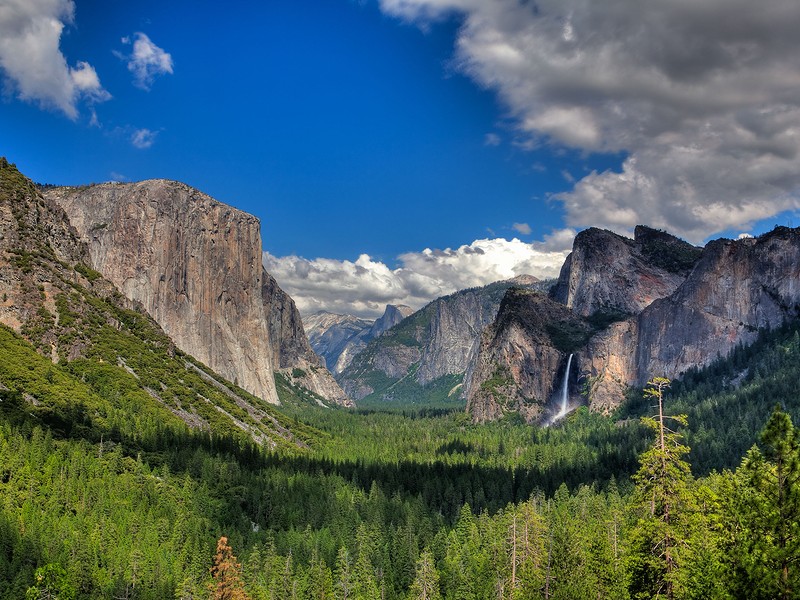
x=435, y=344
x=392, y=316
x=607, y=274
x=520, y=356
x=737, y=288
x=123, y=360
x=195, y=265
x=292, y=353
x=656, y=306
x=35, y=237
x=338, y=338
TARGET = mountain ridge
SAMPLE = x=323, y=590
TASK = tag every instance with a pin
x=99, y=353
x=195, y=265
x=654, y=306
x=427, y=354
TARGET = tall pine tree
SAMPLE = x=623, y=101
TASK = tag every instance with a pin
x=663, y=492
x=766, y=527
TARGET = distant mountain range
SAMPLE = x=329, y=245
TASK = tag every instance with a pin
x=338, y=338
x=425, y=356
x=190, y=268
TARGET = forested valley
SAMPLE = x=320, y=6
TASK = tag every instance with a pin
x=408, y=504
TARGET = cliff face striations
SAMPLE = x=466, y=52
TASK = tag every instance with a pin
x=427, y=354
x=109, y=358
x=735, y=289
x=519, y=355
x=652, y=306
x=195, y=265
x=608, y=273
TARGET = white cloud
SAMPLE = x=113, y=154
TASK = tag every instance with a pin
x=146, y=61
x=705, y=107
x=522, y=228
x=143, y=138
x=30, y=57
x=365, y=286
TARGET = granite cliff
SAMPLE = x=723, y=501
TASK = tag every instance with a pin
x=520, y=353
x=609, y=274
x=654, y=305
x=195, y=266
x=426, y=355
x=736, y=288
x=105, y=359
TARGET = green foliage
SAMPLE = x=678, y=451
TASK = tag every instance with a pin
x=604, y=317
x=568, y=336
x=675, y=256
x=500, y=378
x=407, y=394
x=729, y=401
x=87, y=272
x=765, y=499
x=51, y=584
x=106, y=493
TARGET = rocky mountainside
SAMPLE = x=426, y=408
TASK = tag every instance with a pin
x=737, y=288
x=519, y=354
x=607, y=274
x=99, y=354
x=426, y=355
x=651, y=306
x=195, y=266
x=338, y=338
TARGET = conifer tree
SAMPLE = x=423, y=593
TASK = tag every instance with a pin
x=227, y=574
x=426, y=582
x=663, y=485
x=344, y=575
x=766, y=542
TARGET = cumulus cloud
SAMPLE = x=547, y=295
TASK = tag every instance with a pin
x=143, y=138
x=30, y=57
x=365, y=286
x=146, y=61
x=703, y=98
x=522, y=228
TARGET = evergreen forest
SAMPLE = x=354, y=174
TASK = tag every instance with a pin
x=703, y=502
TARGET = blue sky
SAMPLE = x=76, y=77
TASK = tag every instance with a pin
x=394, y=149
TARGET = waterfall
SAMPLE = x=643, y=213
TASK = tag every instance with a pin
x=565, y=390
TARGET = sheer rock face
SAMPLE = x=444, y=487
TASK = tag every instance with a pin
x=736, y=288
x=685, y=307
x=195, y=265
x=438, y=340
x=609, y=273
x=455, y=333
x=520, y=355
x=291, y=351
x=393, y=314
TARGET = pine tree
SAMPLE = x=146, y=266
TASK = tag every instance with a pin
x=426, y=582
x=344, y=575
x=227, y=574
x=663, y=485
x=767, y=527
